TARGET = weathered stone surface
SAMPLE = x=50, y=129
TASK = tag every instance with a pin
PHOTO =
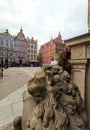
x=1, y=72
x=52, y=102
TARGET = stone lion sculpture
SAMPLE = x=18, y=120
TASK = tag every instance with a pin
x=52, y=102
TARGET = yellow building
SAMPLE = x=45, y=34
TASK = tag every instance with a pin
x=31, y=51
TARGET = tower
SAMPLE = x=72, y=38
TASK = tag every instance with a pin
x=88, y=15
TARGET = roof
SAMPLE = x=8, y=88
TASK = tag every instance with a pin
x=79, y=36
x=81, y=39
x=32, y=40
x=20, y=36
x=6, y=34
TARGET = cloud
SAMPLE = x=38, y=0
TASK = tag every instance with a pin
x=44, y=18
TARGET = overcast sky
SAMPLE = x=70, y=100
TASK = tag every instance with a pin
x=43, y=19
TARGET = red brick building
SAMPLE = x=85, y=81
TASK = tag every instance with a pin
x=54, y=45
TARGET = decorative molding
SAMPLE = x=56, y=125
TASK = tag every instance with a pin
x=78, y=52
x=75, y=62
x=81, y=39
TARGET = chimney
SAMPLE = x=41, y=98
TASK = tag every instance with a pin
x=88, y=15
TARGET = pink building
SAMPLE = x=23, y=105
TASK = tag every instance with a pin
x=21, y=48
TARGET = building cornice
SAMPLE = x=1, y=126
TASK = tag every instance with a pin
x=85, y=38
x=73, y=62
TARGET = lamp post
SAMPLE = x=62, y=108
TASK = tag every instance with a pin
x=20, y=60
x=6, y=59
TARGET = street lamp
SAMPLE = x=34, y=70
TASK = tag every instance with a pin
x=6, y=59
x=20, y=60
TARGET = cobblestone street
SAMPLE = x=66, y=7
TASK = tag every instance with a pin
x=14, y=78
x=12, y=85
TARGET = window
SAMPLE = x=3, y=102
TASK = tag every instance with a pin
x=34, y=51
x=31, y=46
x=1, y=40
x=1, y=53
x=11, y=46
x=28, y=50
x=16, y=43
x=35, y=47
x=31, y=51
x=6, y=41
x=1, y=44
x=28, y=46
x=17, y=49
x=6, y=45
x=31, y=55
x=11, y=41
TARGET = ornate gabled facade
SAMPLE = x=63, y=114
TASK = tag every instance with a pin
x=31, y=51
x=7, y=51
x=54, y=45
x=21, y=48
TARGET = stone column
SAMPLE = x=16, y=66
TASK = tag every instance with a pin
x=80, y=60
x=78, y=74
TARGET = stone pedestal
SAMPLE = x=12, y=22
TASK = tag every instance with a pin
x=80, y=60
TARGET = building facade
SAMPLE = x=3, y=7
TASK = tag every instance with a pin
x=54, y=45
x=21, y=48
x=17, y=50
x=31, y=51
x=7, y=51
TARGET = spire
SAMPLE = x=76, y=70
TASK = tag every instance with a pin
x=21, y=30
x=6, y=31
x=59, y=36
x=51, y=38
x=32, y=38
